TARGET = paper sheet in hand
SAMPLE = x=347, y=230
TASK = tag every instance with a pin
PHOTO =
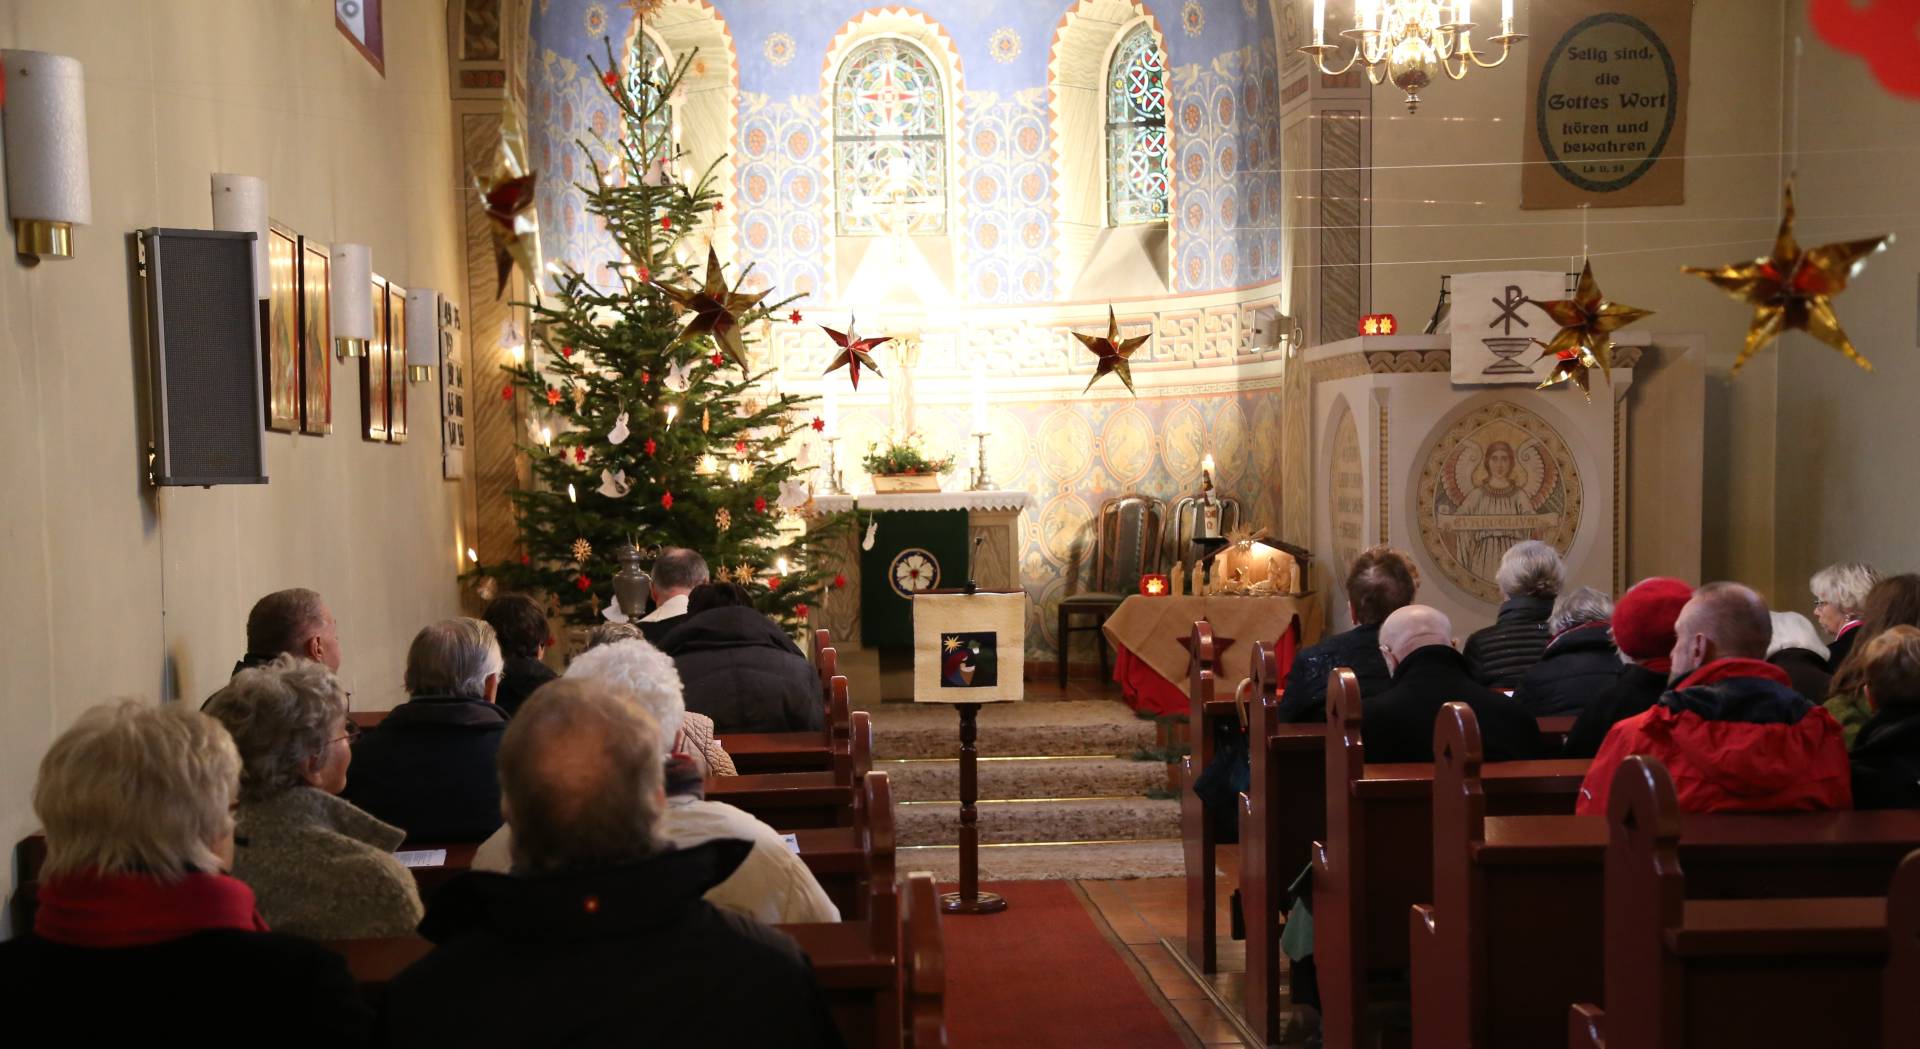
x=423, y=858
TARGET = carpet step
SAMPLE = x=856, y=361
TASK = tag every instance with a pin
x=1054, y=820
x=1062, y=728
x=1100, y=860
x=1048, y=777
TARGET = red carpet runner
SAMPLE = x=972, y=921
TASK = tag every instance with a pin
x=1042, y=975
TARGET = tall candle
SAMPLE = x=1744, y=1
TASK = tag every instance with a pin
x=1319, y=21
x=830, y=413
x=1463, y=12
x=979, y=398
x=1506, y=16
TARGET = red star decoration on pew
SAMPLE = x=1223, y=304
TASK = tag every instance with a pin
x=1220, y=646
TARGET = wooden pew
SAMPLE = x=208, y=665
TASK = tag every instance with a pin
x=1514, y=933
x=1377, y=859
x=925, y=965
x=800, y=800
x=1205, y=714
x=1900, y=1021
x=1704, y=974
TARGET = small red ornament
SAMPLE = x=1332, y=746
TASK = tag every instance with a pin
x=579, y=455
x=666, y=500
x=583, y=583
x=740, y=447
x=506, y=393
x=553, y=396
x=773, y=582
x=716, y=360
x=666, y=222
x=525, y=560
x=794, y=317
x=646, y=376
x=719, y=206
x=610, y=78
x=819, y=424
x=840, y=582
x=801, y=610
x=567, y=352
x=646, y=275
x=649, y=446
x=759, y=504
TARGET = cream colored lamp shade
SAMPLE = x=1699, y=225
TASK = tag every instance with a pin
x=423, y=333
x=240, y=206
x=349, y=274
x=45, y=126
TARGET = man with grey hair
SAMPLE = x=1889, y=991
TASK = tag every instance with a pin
x=291, y=622
x=1580, y=662
x=1839, y=593
x=675, y=573
x=1427, y=674
x=428, y=767
x=1530, y=577
x=601, y=934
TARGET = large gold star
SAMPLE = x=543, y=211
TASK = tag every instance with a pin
x=1584, y=343
x=716, y=310
x=855, y=352
x=1113, y=352
x=1793, y=288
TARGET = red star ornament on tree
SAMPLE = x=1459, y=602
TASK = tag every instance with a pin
x=1584, y=343
x=855, y=352
x=716, y=310
x=1113, y=352
x=818, y=424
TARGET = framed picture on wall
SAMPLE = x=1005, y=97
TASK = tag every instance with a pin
x=315, y=333
x=396, y=364
x=373, y=369
x=453, y=396
x=360, y=22
x=281, y=348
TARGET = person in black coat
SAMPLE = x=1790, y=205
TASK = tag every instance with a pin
x=1579, y=663
x=1886, y=753
x=1381, y=581
x=600, y=936
x=1397, y=725
x=428, y=767
x=1642, y=630
x=740, y=669
x=520, y=625
x=1796, y=649
x=1530, y=577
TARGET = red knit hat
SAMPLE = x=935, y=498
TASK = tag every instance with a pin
x=1643, y=618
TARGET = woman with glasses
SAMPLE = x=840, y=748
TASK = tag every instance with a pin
x=319, y=866
x=1839, y=599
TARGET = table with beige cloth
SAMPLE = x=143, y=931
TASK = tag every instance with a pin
x=1150, y=662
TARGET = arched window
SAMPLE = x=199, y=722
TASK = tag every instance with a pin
x=1137, y=130
x=647, y=73
x=889, y=141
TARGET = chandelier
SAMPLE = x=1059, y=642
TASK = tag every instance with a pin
x=1406, y=41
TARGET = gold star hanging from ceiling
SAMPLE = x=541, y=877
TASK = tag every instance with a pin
x=1794, y=288
x=1584, y=343
x=855, y=352
x=1113, y=352
x=716, y=310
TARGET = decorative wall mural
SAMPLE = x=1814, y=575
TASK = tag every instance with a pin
x=1347, y=485
x=1497, y=476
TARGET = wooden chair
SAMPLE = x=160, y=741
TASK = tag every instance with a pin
x=925, y=965
x=1126, y=546
x=1187, y=512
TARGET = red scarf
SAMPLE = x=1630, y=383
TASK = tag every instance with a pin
x=134, y=910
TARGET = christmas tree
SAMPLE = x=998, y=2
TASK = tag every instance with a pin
x=644, y=421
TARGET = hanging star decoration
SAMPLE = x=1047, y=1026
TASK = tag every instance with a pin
x=855, y=352
x=1113, y=352
x=723, y=518
x=716, y=310
x=1584, y=343
x=508, y=203
x=1793, y=288
x=582, y=550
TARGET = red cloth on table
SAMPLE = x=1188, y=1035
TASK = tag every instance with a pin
x=1149, y=693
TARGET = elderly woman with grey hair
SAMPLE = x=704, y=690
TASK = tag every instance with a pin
x=429, y=766
x=1839, y=598
x=1530, y=577
x=136, y=914
x=319, y=866
x=696, y=729
x=1580, y=661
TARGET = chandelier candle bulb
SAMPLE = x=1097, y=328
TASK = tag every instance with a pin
x=1319, y=21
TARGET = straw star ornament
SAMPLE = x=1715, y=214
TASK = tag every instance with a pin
x=1113, y=352
x=716, y=310
x=1793, y=288
x=1584, y=343
x=855, y=352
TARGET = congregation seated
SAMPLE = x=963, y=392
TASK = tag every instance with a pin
x=740, y=669
x=1796, y=648
x=1428, y=673
x=318, y=865
x=1381, y=581
x=1732, y=732
x=1839, y=602
x=1893, y=601
x=1642, y=631
x=768, y=883
x=293, y=623
x=601, y=935
x=1530, y=577
x=428, y=767
x=520, y=625
x=1580, y=661
x=696, y=730
x=676, y=572
x=1886, y=753
x=137, y=919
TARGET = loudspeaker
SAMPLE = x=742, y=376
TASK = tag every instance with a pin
x=203, y=342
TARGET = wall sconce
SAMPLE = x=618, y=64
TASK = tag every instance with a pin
x=423, y=333
x=45, y=128
x=351, y=307
x=240, y=206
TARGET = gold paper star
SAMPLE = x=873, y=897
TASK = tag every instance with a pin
x=1113, y=352
x=1584, y=343
x=716, y=310
x=855, y=352
x=1793, y=288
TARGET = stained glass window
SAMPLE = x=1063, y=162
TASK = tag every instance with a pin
x=647, y=74
x=889, y=141
x=1137, y=131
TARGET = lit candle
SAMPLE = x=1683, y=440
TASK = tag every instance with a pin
x=1206, y=463
x=708, y=463
x=1363, y=14
x=1463, y=12
x=1506, y=16
x=673, y=412
x=518, y=353
x=733, y=472
x=1319, y=21
x=472, y=555
x=570, y=496
x=780, y=566
x=546, y=436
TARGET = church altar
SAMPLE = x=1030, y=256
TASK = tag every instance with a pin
x=1150, y=635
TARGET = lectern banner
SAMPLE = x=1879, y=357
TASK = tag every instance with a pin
x=969, y=649
x=1494, y=326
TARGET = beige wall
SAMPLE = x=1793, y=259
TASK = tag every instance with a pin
x=1463, y=149
x=108, y=590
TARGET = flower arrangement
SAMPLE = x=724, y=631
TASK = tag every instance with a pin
x=902, y=456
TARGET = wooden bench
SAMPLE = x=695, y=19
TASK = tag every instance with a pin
x=924, y=968
x=1376, y=861
x=1686, y=973
x=1514, y=933
x=1205, y=715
